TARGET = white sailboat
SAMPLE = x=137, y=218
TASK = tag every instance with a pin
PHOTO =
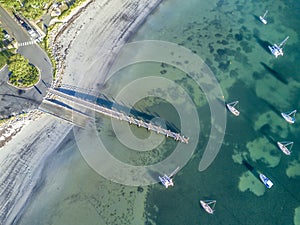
x=167, y=180
x=208, y=205
x=262, y=18
x=267, y=182
x=276, y=50
x=285, y=146
x=232, y=109
x=289, y=116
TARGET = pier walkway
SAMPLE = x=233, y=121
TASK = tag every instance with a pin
x=118, y=115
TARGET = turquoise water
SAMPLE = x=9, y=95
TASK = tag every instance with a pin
x=228, y=36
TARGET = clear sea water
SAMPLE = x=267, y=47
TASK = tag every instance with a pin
x=228, y=36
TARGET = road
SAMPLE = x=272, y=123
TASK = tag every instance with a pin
x=13, y=100
x=15, y=29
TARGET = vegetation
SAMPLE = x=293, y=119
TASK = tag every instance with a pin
x=32, y=9
x=1, y=35
x=72, y=4
x=23, y=74
x=4, y=53
x=4, y=56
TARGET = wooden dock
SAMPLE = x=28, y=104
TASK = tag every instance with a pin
x=120, y=116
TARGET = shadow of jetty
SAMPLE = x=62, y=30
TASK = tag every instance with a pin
x=276, y=74
x=110, y=103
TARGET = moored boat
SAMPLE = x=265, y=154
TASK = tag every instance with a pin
x=262, y=18
x=167, y=180
x=232, y=109
x=206, y=205
x=266, y=181
x=277, y=50
x=289, y=116
x=284, y=147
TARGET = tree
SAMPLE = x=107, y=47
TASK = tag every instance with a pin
x=1, y=37
x=23, y=74
x=1, y=34
x=32, y=9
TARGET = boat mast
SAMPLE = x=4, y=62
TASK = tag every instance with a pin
x=289, y=143
x=265, y=14
x=283, y=42
x=211, y=202
x=292, y=113
x=233, y=104
x=174, y=172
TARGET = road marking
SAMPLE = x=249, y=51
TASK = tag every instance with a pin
x=26, y=43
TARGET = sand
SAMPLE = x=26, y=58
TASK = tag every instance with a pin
x=88, y=45
x=22, y=160
x=81, y=42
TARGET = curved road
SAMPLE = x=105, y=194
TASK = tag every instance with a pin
x=13, y=100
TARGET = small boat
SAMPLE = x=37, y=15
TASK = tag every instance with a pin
x=262, y=18
x=167, y=180
x=267, y=182
x=232, y=109
x=276, y=50
x=206, y=205
x=289, y=116
x=284, y=147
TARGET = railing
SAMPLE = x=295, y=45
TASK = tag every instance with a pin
x=119, y=115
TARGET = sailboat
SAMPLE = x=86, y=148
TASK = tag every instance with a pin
x=284, y=147
x=232, y=109
x=276, y=50
x=167, y=180
x=289, y=116
x=267, y=182
x=262, y=18
x=206, y=205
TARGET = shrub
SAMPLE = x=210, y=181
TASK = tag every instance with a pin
x=23, y=74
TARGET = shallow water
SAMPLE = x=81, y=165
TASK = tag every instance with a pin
x=228, y=36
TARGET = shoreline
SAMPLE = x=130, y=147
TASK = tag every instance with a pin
x=108, y=34
x=18, y=182
x=11, y=126
x=37, y=176
x=21, y=168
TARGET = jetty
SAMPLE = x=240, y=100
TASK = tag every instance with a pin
x=52, y=93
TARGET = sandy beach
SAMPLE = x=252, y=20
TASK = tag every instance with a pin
x=91, y=37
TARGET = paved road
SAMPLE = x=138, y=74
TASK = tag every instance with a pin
x=13, y=100
x=15, y=29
